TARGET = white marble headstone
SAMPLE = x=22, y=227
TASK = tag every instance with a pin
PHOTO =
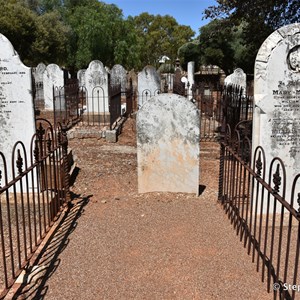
x=81, y=77
x=168, y=133
x=16, y=104
x=276, y=119
x=96, y=80
x=53, y=78
x=38, y=72
x=148, y=84
x=238, y=77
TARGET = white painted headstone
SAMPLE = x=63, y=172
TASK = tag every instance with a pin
x=96, y=80
x=238, y=77
x=148, y=84
x=53, y=78
x=168, y=133
x=16, y=103
x=276, y=119
x=38, y=72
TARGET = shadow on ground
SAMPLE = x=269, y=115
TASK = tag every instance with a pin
x=34, y=285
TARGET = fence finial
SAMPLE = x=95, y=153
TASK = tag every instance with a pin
x=277, y=180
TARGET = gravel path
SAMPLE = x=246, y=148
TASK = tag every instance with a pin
x=117, y=244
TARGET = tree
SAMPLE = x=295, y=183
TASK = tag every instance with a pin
x=274, y=13
x=190, y=52
x=160, y=35
x=52, y=36
x=215, y=41
x=17, y=23
x=96, y=29
x=260, y=18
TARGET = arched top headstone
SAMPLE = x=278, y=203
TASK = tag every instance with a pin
x=96, y=74
x=16, y=103
x=276, y=118
x=118, y=76
x=7, y=49
x=168, y=133
x=39, y=71
x=81, y=77
x=238, y=77
x=148, y=83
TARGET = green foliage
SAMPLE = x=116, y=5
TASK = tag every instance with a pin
x=216, y=45
x=160, y=35
x=258, y=19
x=52, y=35
x=17, y=23
x=273, y=13
x=190, y=52
x=72, y=33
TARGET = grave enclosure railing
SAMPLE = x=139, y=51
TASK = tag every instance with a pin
x=252, y=192
x=33, y=198
x=72, y=104
x=220, y=105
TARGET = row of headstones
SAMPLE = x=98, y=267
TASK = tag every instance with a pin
x=148, y=81
x=47, y=77
x=276, y=120
x=168, y=126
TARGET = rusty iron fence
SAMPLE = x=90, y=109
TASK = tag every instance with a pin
x=33, y=198
x=252, y=192
x=66, y=104
x=145, y=95
x=73, y=105
x=220, y=105
x=131, y=104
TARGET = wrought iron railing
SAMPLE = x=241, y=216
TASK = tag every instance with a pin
x=33, y=198
x=266, y=219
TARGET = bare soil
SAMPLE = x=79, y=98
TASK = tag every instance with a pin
x=117, y=244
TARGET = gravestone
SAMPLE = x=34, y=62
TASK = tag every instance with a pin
x=238, y=77
x=276, y=119
x=96, y=80
x=168, y=134
x=148, y=84
x=132, y=80
x=53, y=78
x=118, y=76
x=38, y=74
x=16, y=103
x=81, y=78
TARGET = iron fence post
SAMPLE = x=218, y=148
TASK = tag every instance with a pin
x=64, y=144
x=221, y=171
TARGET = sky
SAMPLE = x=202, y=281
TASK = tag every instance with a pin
x=186, y=12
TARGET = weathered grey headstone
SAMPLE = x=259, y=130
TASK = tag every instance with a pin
x=53, y=77
x=148, y=84
x=276, y=119
x=118, y=76
x=38, y=74
x=96, y=79
x=81, y=78
x=16, y=103
x=168, y=132
x=238, y=77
